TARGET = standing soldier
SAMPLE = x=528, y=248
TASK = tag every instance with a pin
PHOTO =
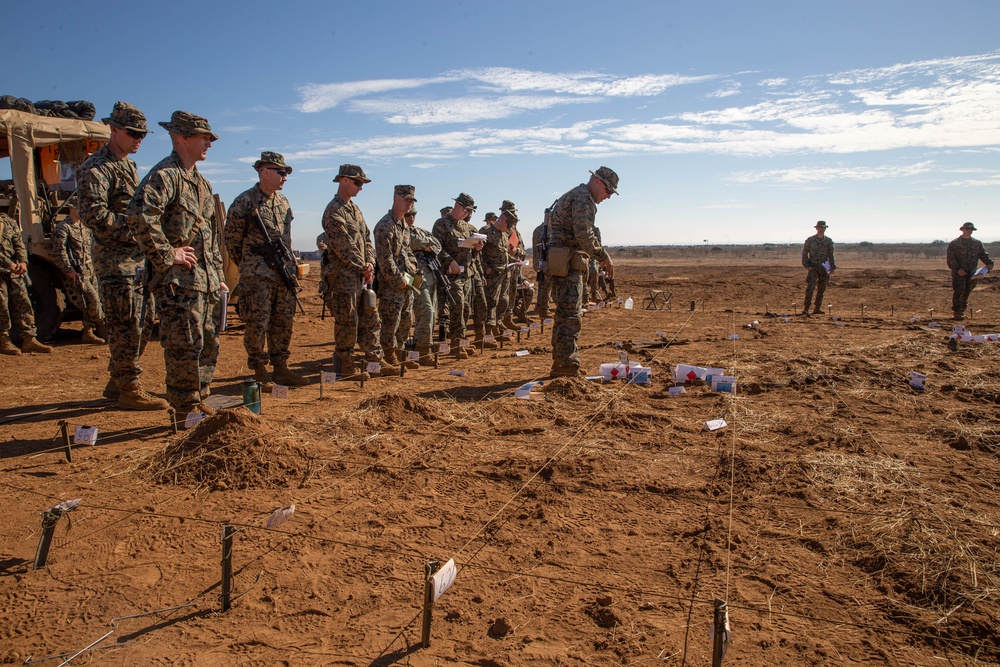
x=426, y=249
x=15, y=306
x=351, y=268
x=451, y=230
x=964, y=254
x=817, y=257
x=172, y=215
x=571, y=244
x=539, y=243
x=517, y=253
x=495, y=259
x=479, y=306
x=395, y=261
x=71, y=250
x=267, y=305
x=108, y=179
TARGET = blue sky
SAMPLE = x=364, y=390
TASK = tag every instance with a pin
x=732, y=122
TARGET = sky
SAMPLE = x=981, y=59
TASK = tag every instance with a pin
x=727, y=122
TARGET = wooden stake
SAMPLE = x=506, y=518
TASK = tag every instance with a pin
x=430, y=569
x=172, y=416
x=49, y=520
x=227, y=566
x=64, y=425
x=720, y=620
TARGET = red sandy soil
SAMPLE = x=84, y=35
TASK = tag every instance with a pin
x=844, y=516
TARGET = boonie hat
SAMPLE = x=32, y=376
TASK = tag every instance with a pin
x=270, y=157
x=124, y=116
x=188, y=125
x=490, y=216
x=353, y=172
x=510, y=215
x=405, y=191
x=968, y=225
x=609, y=177
x=507, y=205
x=465, y=201
x=821, y=224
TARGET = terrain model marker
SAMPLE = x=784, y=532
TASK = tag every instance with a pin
x=49, y=519
x=227, y=566
x=437, y=579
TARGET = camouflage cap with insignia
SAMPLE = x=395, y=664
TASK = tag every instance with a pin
x=124, y=116
x=353, y=172
x=609, y=177
x=405, y=191
x=465, y=201
x=188, y=125
x=270, y=157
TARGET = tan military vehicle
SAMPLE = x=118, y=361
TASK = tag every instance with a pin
x=43, y=154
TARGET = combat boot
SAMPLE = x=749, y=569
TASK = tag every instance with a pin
x=91, y=338
x=348, y=371
x=426, y=356
x=134, y=397
x=484, y=344
x=284, y=375
x=111, y=390
x=263, y=379
x=31, y=344
x=388, y=368
x=457, y=350
x=7, y=347
x=409, y=364
x=509, y=323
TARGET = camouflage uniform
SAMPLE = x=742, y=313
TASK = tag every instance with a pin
x=450, y=233
x=544, y=284
x=395, y=257
x=965, y=254
x=571, y=225
x=107, y=184
x=517, y=254
x=495, y=260
x=171, y=208
x=349, y=248
x=15, y=305
x=425, y=303
x=72, y=237
x=590, y=292
x=816, y=251
x=267, y=306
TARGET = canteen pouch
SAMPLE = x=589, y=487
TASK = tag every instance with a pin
x=559, y=260
x=580, y=261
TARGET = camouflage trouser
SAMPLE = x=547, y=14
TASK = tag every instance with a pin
x=459, y=311
x=352, y=324
x=567, y=292
x=93, y=313
x=391, y=303
x=523, y=301
x=405, y=321
x=961, y=288
x=510, y=292
x=544, y=291
x=479, y=307
x=496, y=298
x=425, y=308
x=15, y=306
x=190, y=339
x=593, y=275
x=267, y=307
x=817, y=280
x=122, y=300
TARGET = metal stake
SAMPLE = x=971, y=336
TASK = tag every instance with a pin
x=430, y=569
x=720, y=639
x=172, y=415
x=227, y=566
x=64, y=425
x=361, y=374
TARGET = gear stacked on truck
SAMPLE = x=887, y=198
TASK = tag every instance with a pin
x=76, y=109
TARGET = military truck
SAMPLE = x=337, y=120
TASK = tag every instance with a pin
x=44, y=154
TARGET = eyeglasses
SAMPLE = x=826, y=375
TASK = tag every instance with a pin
x=136, y=134
x=280, y=172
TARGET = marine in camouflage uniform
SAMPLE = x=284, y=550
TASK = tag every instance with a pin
x=495, y=259
x=267, y=305
x=451, y=229
x=71, y=252
x=590, y=292
x=172, y=216
x=544, y=285
x=395, y=261
x=351, y=266
x=15, y=305
x=817, y=250
x=108, y=179
x=571, y=225
x=425, y=248
x=479, y=308
x=964, y=255
x=517, y=253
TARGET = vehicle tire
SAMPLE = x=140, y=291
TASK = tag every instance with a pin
x=47, y=299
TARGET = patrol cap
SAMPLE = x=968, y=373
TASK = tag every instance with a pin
x=609, y=177
x=465, y=201
x=353, y=172
x=405, y=191
x=270, y=157
x=968, y=225
x=821, y=224
x=188, y=125
x=124, y=116
x=490, y=216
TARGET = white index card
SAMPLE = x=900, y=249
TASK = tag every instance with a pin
x=326, y=377
x=443, y=578
x=279, y=391
x=85, y=435
x=193, y=419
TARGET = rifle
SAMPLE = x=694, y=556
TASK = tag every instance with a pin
x=277, y=255
x=76, y=264
x=434, y=265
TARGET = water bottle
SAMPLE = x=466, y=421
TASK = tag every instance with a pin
x=251, y=395
x=629, y=303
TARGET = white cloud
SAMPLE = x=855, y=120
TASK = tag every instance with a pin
x=731, y=88
x=319, y=97
x=458, y=110
x=801, y=175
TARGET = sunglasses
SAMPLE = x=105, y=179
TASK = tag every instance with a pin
x=410, y=215
x=358, y=182
x=280, y=172
x=136, y=134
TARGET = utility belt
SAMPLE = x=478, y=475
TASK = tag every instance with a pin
x=560, y=259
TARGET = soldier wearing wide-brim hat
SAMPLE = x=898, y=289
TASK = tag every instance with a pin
x=124, y=116
x=273, y=160
x=964, y=255
x=353, y=172
x=451, y=229
x=818, y=259
x=187, y=124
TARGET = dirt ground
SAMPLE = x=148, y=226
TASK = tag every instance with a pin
x=844, y=516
